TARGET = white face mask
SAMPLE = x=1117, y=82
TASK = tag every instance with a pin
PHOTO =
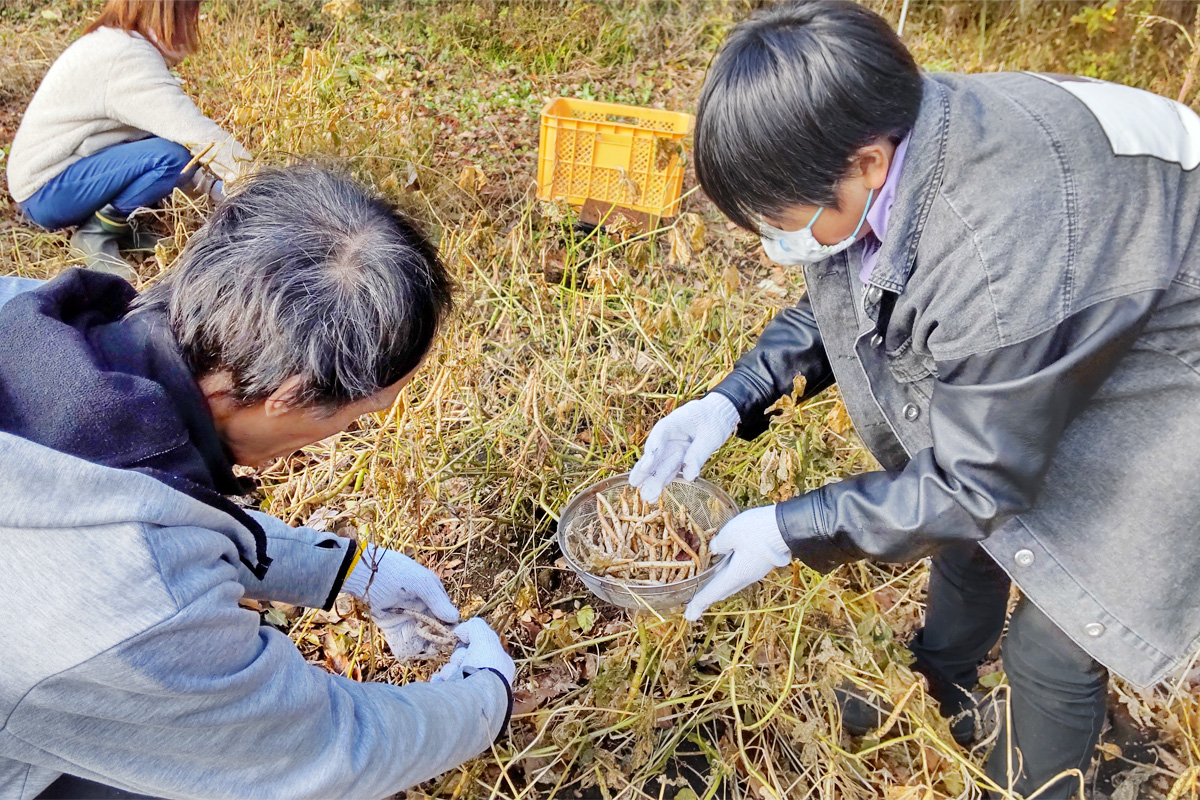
x=790, y=248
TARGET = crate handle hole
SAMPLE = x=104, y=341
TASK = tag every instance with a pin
x=620, y=118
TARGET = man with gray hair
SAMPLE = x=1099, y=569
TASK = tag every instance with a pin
x=303, y=303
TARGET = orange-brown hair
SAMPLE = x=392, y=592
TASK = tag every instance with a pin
x=173, y=26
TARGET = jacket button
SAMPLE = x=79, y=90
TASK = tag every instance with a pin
x=876, y=340
x=911, y=412
x=1024, y=558
x=874, y=293
x=1093, y=628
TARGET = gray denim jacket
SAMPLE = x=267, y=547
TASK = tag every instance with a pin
x=1025, y=361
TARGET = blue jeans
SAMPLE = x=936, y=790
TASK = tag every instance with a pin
x=127, y=176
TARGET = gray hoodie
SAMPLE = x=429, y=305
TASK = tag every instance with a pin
x=129, y=662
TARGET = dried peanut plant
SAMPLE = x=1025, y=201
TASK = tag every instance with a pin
x=566, y=348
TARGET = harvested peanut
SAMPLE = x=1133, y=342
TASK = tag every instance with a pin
x=639, y=543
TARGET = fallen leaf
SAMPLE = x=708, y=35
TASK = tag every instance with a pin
x=839, y=418
x=335, y=655
x=546, y=686
x=591, y=665
x=637, y=253
x=322, y=519
x=701, y=306
x=954, y=783
x=532, y=628
x=313, y=59
x=694, y=228
x=341, y=8
x=643, y=748
x=909, y=793
x=771, y=287
x=767, y=471
x=992, y=679
x=643, y=363
x=554, y=265
x=471, y=179
x=731, y=278
x=344, y=604
x=411, y=179
x=681, y=248
x=586, y=618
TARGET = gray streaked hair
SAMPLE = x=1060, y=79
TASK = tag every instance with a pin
x=305, y=272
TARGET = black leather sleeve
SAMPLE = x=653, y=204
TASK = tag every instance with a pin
x=790, y=345
x=996, y=420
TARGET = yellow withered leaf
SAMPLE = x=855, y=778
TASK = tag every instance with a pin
x=681, y=248
x=471, y=179
x=341, y=8
x=731, y=278
x=701, y=306
x=839, y=419
x=695, y=229
x=313, y=60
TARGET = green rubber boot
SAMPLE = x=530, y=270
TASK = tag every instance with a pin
x=98, y=241
x=138, y=238
x=133, y=236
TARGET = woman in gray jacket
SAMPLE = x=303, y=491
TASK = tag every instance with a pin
x=110, y=130
x=1003, y=277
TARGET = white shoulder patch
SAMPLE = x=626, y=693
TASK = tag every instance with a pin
x=1138, y=123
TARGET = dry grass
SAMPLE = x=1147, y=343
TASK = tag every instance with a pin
x=565, y=351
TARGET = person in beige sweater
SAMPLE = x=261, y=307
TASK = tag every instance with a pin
x=110, y=130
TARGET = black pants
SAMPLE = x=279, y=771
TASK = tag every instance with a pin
x=69, y=787
x=1058, y=692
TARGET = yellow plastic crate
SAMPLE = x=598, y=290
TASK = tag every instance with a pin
x=625, y=155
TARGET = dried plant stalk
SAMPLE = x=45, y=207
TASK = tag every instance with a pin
x=642, y=544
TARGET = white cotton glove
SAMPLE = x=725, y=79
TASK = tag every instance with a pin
x=481, y=650
x=755, y=547
x=685, y=438
x=392, y=583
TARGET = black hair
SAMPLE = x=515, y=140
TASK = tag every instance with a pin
x=303, y=271
x=793, y=94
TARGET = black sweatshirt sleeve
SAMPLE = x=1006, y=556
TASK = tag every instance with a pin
x=790, y=345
